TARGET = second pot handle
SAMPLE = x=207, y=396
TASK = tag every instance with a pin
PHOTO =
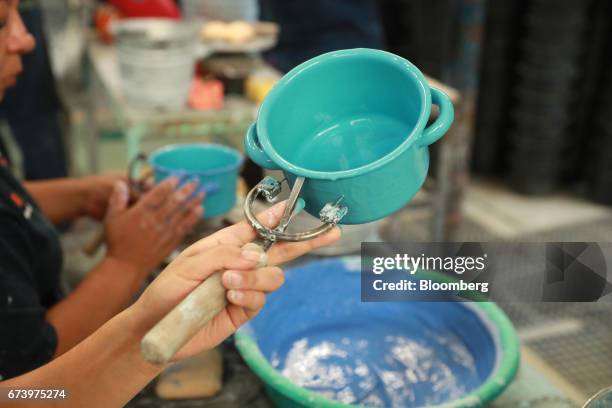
x=444, y=120
x=136, y=182
x=255, y=151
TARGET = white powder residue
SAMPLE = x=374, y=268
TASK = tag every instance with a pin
x=340, y=370
x=352, y=263
x=306, y=366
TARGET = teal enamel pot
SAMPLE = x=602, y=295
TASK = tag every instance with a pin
x=354, y=124
x=215, y=167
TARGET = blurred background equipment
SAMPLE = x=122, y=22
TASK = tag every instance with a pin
x=223, y=10
x=542, y=95
x=310, y=28
x=156, y=61
x=147, y=8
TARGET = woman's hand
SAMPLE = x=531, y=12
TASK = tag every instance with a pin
x=247, y=285
x=65, y=199
x=142, y=235
x=97, y=191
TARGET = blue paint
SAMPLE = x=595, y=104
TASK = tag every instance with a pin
x=316, y=332
x=215, y=167
x=299, y=206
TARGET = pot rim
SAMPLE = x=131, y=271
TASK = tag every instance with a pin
x=201, y=146
x=401, y=64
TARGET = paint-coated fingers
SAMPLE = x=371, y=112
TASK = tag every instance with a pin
x=188, y=215
x=176, y=201
x=158, y=194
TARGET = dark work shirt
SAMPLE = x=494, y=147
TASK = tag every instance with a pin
x=30, y=266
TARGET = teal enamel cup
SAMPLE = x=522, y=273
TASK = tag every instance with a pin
x=354, y=124
x=215, y=167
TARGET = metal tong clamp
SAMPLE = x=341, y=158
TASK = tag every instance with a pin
x=270, y=188
x=208, y=299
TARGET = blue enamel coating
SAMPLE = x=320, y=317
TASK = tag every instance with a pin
x=438, y=352
x=215, y=167
x=353, y=122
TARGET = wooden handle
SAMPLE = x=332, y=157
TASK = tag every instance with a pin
x=172, y=332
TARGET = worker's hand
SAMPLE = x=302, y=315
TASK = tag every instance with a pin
x=144, y=234
x=98, y=189
x=97, y=192
x=247, y=285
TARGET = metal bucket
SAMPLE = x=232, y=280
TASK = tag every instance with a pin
x=156, y=61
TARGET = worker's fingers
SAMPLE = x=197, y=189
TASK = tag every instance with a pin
x=221, y=257
x=266, y=279
x=222, y=325
x=118, y=200
x=158, y=194
x=239, y=315
x=268, y=218
x=147, y=181
x=287, y=251
x=248, y=299
x=242, y=233
x=185, y=225
x=175, y=201
x=194, y=212
x=141, y=186
x=186, y=216
x=115, y=175
x=238, y=234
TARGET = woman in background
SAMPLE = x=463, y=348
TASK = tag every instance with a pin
x=32, y=108
x=37, y=323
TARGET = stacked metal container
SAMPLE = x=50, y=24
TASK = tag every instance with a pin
x=497, y=77
x=545, y=94
x=601, y=177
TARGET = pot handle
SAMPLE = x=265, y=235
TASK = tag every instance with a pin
x=255, y=151
x=136, y=182
x=444, y=120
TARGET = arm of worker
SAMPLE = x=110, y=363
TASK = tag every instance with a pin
x=138, y=239
x=115, y=370
x=65, y=199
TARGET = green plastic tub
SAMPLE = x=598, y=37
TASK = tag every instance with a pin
x=299, y=309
